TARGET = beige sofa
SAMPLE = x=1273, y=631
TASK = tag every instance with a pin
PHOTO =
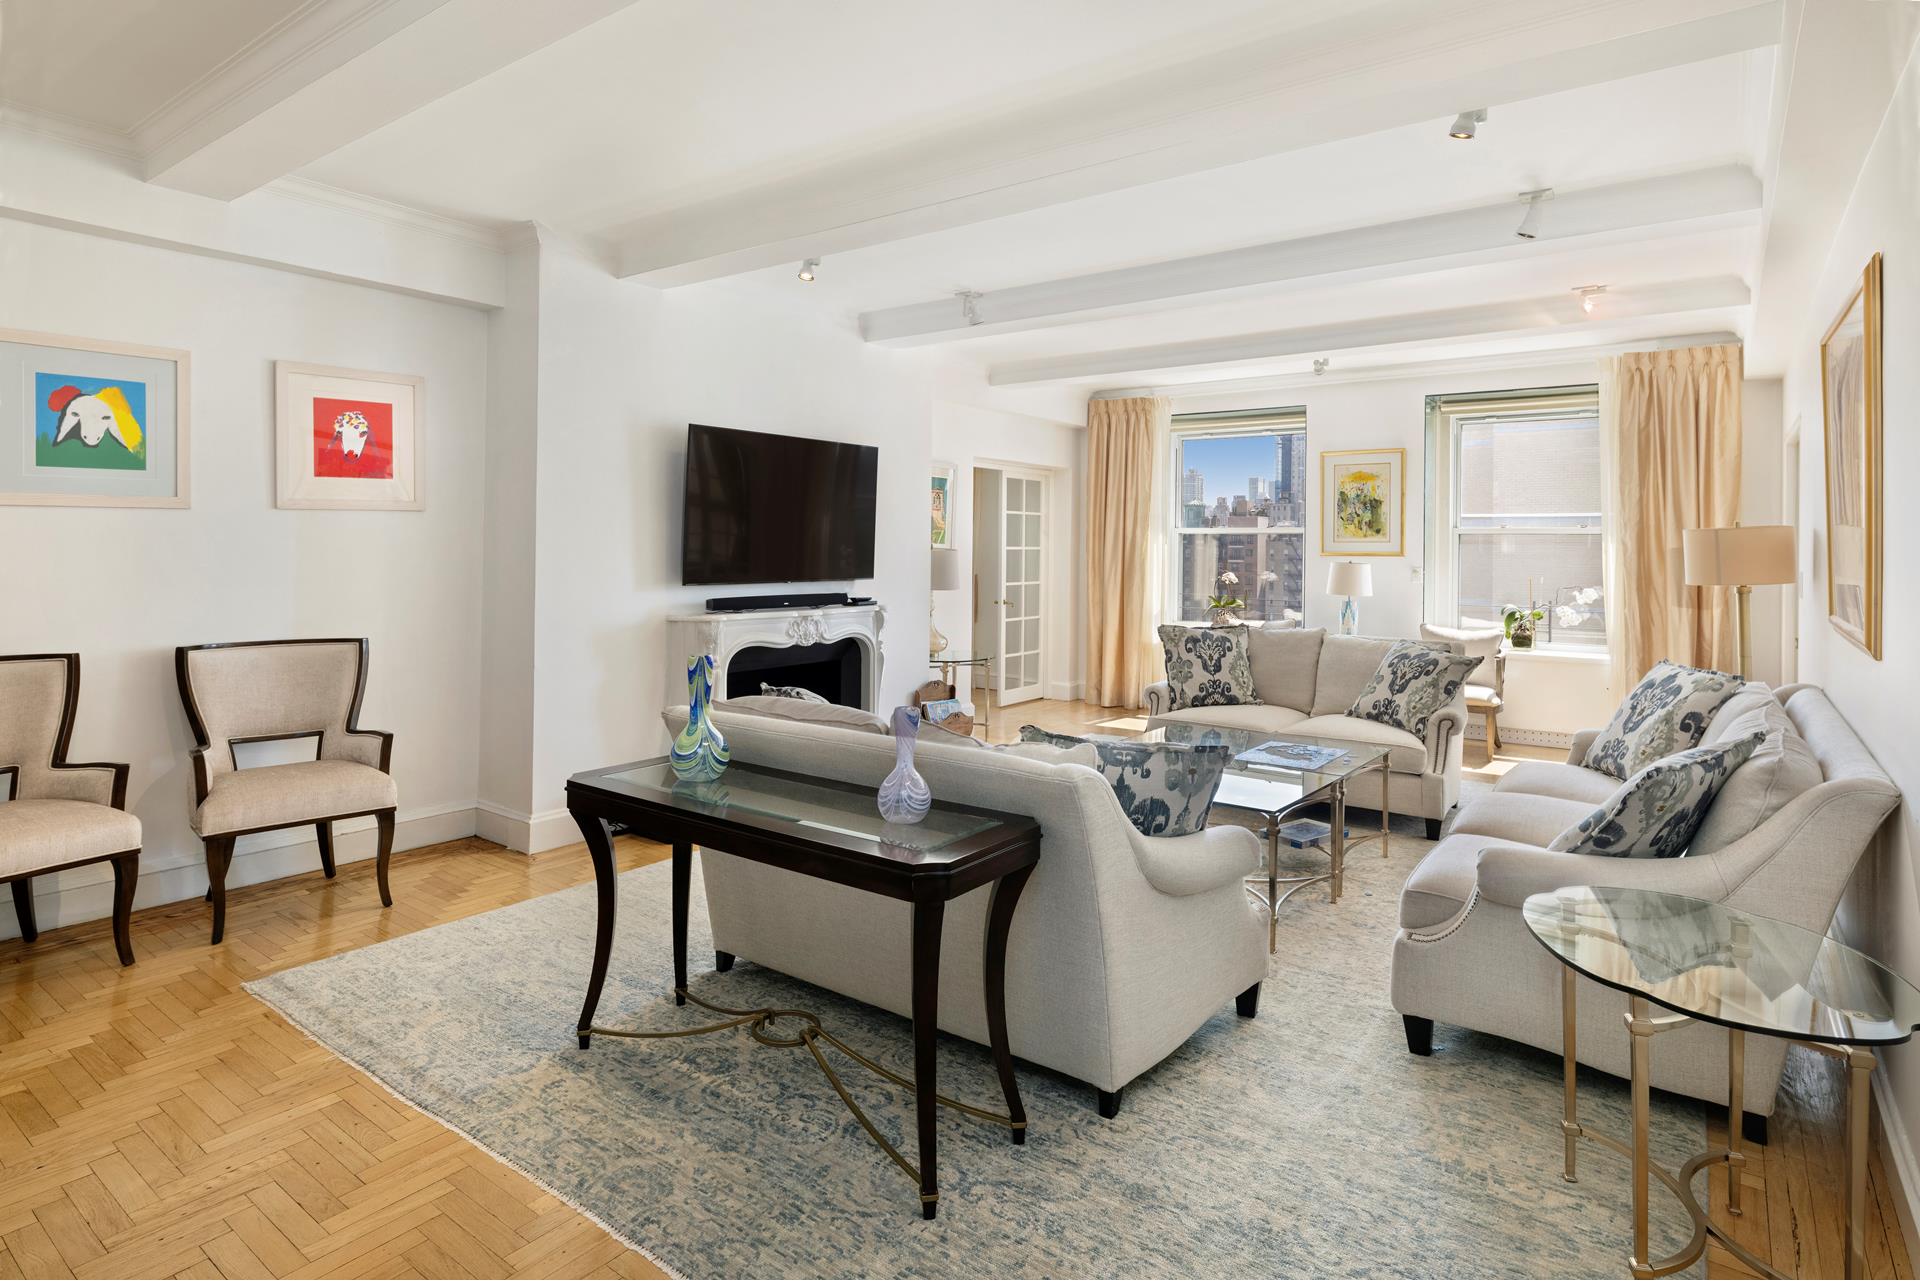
x=1121, y=946
x=1306, y=681
x=1781, y=840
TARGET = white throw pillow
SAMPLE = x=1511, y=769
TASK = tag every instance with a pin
x=1656, y=812
x=1667, y=712
x=1781, y=768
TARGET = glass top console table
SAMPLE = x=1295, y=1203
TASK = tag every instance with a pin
x=1716, y=964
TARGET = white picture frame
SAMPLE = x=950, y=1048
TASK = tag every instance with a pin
x=348, y=439
x=80, y=373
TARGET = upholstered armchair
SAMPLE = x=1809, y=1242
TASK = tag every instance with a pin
x=1487, y=684
x=55, y=814
x=265, y=691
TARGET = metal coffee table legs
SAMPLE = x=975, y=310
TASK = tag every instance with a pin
x=1334, y=797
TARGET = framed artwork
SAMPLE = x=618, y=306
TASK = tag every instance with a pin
x=85, y=423
x=1363, y=502
x=1850, y=402
x=349, y=439
x=941, y=504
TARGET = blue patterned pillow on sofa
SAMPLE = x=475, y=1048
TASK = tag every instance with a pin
x=1667, y=712
x=1414, y=680
x=1165, y=789
x=1208, y=666
x=1656, y=812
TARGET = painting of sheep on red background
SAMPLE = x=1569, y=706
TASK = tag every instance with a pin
x=349, y=439
x=352, y=438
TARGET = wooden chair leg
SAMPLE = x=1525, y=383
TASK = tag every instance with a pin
x=1493, y=732
x=325, y=831
x=385, y=821
x=219, y=857
x=23, y=908
x=126, y=872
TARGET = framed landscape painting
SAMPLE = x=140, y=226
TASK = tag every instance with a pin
x=349, y=439
x=87, y=423
x=1363, y=502
x=1850, y=400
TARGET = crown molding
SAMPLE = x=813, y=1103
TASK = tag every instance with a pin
x=497, y=237
x=78, y=133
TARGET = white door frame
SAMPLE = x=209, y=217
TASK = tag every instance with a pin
x=1037, y=688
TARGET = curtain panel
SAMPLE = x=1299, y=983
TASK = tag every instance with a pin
x=1674, y=422
x=1126, y=444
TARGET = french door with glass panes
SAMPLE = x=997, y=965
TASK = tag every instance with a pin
x=1022, y=555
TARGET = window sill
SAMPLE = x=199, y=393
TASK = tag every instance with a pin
x=1560, y=653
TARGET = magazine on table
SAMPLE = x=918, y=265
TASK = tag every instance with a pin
x=1283, y=755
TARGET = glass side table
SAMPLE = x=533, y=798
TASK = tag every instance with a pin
x=1709, y=962
x=948, y=670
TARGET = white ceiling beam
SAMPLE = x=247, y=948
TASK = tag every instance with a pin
x=336, y=71
x=1389, y=65
x=1700, y=200
x=1485, y=320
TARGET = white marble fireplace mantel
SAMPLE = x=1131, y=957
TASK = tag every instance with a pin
x=724, y=635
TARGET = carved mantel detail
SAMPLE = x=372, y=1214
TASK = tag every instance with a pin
x=724, y=635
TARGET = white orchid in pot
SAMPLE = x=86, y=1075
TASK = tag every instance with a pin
x=1223, y=602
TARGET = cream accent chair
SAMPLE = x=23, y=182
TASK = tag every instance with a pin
x=56, y=815
x=1487, y=691
x=1781, y=840
x=264, y=691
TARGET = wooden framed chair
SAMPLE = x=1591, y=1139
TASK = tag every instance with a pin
x=1486, y=684
x=55, y=814
x=268, y=691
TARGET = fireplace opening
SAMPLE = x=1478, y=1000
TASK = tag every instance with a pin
x=830, y=669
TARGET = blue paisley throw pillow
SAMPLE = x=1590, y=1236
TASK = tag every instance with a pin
x=1207, y=666
x=1164, y=789
x=1667, y=712
x=1414, y=680
x=1656, y=812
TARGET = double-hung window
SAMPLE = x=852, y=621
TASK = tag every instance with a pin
x=1517, y=485
x=1239, y=489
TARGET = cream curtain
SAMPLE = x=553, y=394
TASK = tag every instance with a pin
x=1126, y=447
x=1673, y=418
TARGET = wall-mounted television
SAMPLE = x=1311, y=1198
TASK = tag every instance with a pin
x=762, y=508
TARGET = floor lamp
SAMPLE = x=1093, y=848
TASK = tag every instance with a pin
x=1742, y=557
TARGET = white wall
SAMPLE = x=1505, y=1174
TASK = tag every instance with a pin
x=124, y=586
x=969, y=436
x=1882, y=910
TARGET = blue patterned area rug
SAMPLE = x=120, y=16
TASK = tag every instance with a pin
x=1306, y=1142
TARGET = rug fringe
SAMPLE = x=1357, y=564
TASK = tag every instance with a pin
x=501, y=1157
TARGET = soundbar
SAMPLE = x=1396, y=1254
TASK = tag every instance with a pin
x=794, y=600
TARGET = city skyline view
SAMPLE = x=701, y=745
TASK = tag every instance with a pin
x=1228, y=462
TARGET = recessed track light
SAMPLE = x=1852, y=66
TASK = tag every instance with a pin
x=1464, y=123
x=1589, y=296
x=1529, y=228
x=808, y=268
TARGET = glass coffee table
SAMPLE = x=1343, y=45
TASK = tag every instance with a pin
x=1294, y=772
x=1716, y=964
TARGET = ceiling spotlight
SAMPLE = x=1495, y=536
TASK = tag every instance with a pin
x=1464, y=122
x=1529, y=228
x=1589, y=296
x=969, y=305
x=1320, y=365
x=807, y=269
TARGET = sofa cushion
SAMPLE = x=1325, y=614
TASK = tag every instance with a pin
x=1521, y=817
x=1413, y=681
x=800, y=709
x=1556, y=778
x=271, y=796
x=1656, y=812
x=1443, y=882
x=1667, y=712
x=1751, y=697
x=1781, y=768
x=1406, y=754
x=1207, y=666
x=1286, y=664
x=1347, y=663
x=37, y=833
x=1261, y=718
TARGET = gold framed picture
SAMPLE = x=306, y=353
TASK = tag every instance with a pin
x=1363, y=502
x=1850, y=404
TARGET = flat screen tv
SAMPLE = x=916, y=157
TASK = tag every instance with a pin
x=776, y=509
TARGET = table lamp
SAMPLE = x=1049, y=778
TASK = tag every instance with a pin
x=1349, y=579
x=945, y=578
x=1739, y=556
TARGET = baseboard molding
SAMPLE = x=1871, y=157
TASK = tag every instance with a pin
x=86, y=893
x=527, y=833
x=1477, y=733
x=1902, y=1168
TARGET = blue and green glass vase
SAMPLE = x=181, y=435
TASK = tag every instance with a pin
x=700, y=754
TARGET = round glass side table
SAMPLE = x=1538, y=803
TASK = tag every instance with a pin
x=1715, y=964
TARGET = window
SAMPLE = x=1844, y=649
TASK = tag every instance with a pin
x=1240, y=488
x=1517, y=480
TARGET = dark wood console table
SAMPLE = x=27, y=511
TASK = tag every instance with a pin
x=814, y=827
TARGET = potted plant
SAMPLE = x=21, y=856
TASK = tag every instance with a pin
x=1223, y=602
x=1518, y=624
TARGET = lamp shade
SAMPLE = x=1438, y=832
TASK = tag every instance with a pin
x=1740, y=556
x=1349, y=578
x=946, y=569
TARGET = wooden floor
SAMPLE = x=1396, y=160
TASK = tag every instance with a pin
x=158, y=1121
